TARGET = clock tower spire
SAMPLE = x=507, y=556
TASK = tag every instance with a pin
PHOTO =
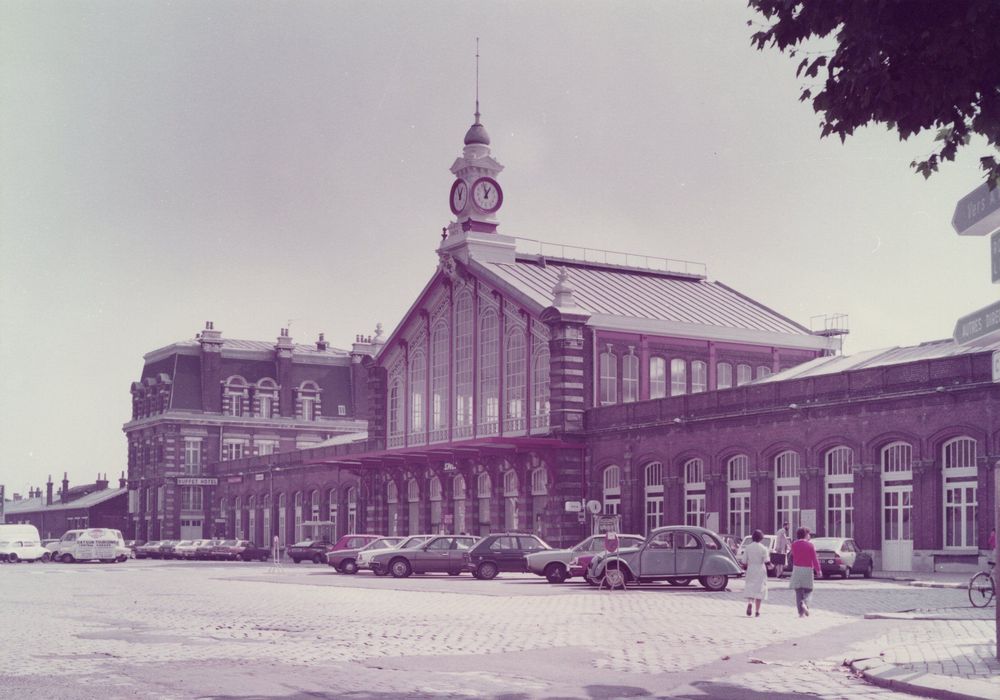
x=475, y=195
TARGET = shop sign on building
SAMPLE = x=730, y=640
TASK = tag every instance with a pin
x=234, y=480
x=197, y=481
x=573, y=506
x=978, y=324
x=995, y=256
x=978, y=213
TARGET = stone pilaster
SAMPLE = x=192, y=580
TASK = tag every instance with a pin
x=283, y=362
x=761, y=501
x=211, y=368
x=867, y=507
x=566, y=373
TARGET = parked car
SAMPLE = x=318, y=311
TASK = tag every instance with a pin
x=310, y=550
x=21, y=543
x=132, y=544
x=673, y=552
x=144, y=551
x=96, y=543
x=769, y=543
x=442, y=554
x=504, y=551
x=365, y=558
x=185, y=549
x=579, y=564
x=67, y=539
x=204, y=550
x=345, y=561
x=553, y=564
x=236, y=550
x=165, y=550
x=354, y=541
x=253, y=552
x=841, y=556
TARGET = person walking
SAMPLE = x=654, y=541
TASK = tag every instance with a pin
x=755, y=590
x=804, y=565
x=781, y=547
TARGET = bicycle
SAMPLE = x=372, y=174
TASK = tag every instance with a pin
x=981, y=589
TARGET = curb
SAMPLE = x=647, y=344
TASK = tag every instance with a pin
x=934, y=584
x=929, y=685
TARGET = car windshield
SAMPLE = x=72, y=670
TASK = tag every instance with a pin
x=229, y=543
x=412, y=542
x=827, y=543
x=381, y=544
x=303, y=543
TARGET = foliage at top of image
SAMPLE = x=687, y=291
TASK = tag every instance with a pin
x=909, y=64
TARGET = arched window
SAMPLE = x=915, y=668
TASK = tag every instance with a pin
x=223, y=510
x=958, y=462
x=309, y=407
x=540, y=387
x=838, y=482
x=298, y=516
x=268, y=535
x=786, y=490
x=332, y=512
x=352, y=510
x=396, y=412
x=434, y=495
x=510, y=500
x=897, y=506
x=252, y=519
x=392, y=503
x=657, y=377
x=458, y=501
x=514, y=379
x=418, y=382
x=723, y=377
x=763, y=371
x=439, y=382
x=744, y=374
x=654, y=496
x=238, y=518
x=489, y=376
x=609, y=377
x=234, y=395
x=539, y=482
x=413, y=499
x=282, y=519
x=314, y=511
x=612, y=491
x=699, y=377
x=267, y=398
x=678, y=377
x=484, y=486
x=630, y=377
x=463, y=366
x=738, y=474
x=694, y=493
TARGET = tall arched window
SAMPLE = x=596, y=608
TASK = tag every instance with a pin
x=897, y=506
x=458, y=502
x=282, y=519
x=514, y=380
x=396, y=436
x=958, y=462
x=654, y=496
x=309, y=408
x=630, y=377
x=268, y=535
x=838, y=482
x=223, y=510
x=612, y=490
x=786, y=490
x=657, y=377
x=489, y=376
x=267, y=398
x=352, y=510
x=694, y=493
x=744, y=374
x=439, y=382
x=332, y=513
x=723, y=375
x=298, y=516
x=678, y=377
x=463, y=366
x=763, y=371
x=540, y=387
x=418, y=383
x=434, y=495
x=699, y=377
x=484, y=486
x=392, y=503
x=738, y=476
x=238, y=518
x=252, y=519
x=413, y=500
x=609, y=377
x=511, y=515
x=234, y=396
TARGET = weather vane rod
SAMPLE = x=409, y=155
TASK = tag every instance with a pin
x=477, y=80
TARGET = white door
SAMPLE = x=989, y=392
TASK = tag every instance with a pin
x=897, y=528
x=191, y=530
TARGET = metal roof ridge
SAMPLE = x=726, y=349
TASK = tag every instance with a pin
x=546, y=260
x=766, y=308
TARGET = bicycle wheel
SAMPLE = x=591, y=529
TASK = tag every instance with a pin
x=981, y=589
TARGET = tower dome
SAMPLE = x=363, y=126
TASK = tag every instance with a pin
x=477, y=134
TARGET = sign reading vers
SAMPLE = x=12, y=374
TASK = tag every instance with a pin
x=978, y=213
x=978, y=324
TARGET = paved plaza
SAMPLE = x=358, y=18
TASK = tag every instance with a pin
x=194, y=630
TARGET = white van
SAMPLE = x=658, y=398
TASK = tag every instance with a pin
x=103, y=544
x=21, y=543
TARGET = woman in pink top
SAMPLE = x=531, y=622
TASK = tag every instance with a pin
x=804, y=564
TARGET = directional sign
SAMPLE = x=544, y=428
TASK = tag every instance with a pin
x=995, y=256
x=978, y=324
x=978, y=213
x=197, y=481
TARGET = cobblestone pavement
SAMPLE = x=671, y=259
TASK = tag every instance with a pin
x=188, y=630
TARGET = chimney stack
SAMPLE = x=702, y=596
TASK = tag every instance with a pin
x=321, y=344
x=102, y=483
x=48, y=492
x=121, y=481
x=65, y=489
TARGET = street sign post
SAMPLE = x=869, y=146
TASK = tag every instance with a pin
x=978, y=213
x=978, y=324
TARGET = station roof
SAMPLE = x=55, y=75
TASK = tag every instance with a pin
x=34, y=505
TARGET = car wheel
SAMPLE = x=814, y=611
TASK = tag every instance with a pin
x=615, y=578
x=868, y=571
x=296, y=560
x=348, y=566
x=487, y=570
x=556, y=573
x=263, y=558
x=400, y=568
x=46, y=557
x=715, y=582
x=67, y=558
x=12, y=558
x=682, y=581
x=318, y=559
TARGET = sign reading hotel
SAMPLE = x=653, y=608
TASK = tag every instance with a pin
x=978, y=324
x=197, y=481
x=978, y=213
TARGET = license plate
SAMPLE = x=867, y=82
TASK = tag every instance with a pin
x=829, y=561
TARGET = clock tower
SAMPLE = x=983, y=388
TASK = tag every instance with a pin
x=475, y=195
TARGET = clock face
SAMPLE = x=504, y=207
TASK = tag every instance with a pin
x=486, y=194
x=459, y=196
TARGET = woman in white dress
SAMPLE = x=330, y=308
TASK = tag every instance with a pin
x=755, y=589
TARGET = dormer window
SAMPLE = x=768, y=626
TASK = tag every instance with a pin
x=234, y=395
x=309, y=406
x=267, y=398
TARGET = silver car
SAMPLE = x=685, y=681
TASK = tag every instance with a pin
x=673, y=552
x=442, y=554
x=553, y=564
x=365, y=558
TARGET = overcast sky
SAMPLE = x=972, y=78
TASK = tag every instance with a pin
x=270, y=164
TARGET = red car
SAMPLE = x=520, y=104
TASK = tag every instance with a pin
x=316, y=550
